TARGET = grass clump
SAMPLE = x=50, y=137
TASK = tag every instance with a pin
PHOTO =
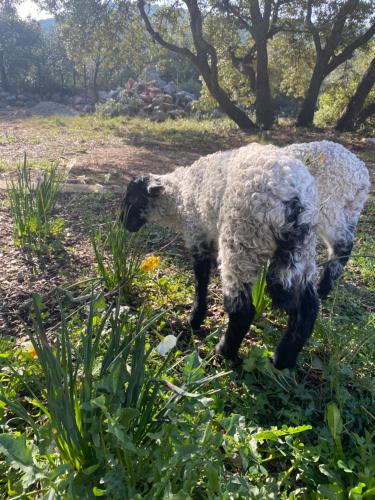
x=32, y=205
x=118, y=255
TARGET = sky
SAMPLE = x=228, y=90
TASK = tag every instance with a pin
x=29, y=8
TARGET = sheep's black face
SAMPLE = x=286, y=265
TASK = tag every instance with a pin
x=137, y=202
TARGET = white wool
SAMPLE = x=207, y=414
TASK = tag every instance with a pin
x=343, y=184
x=342, y=180
x=235, y=200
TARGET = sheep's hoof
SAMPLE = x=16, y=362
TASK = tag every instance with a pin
x=196, y=321
x=280, y=364
x=222, y=350
x=202, y=332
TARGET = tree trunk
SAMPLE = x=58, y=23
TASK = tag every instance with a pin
x=85, y=79
x=306, y=114
x=366, y=113
x=229, y=108
x=348, y=119
x=95, y=78
x=3, y=73
x=264, y=105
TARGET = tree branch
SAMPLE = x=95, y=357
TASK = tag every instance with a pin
x=366, y=112
x=338, y=26
x=156, y=36
x=312, y=28
x=243, y=65
x=202, y=47
x=347, y=52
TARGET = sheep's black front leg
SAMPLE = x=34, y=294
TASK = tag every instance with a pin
x=241, y=312
x=303, y=310
x=202, y=271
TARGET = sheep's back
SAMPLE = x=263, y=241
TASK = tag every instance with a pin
x=244, y=191
x=341, y=177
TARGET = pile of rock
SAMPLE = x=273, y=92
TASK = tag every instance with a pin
x=150, y=97
x=9, y=100
x=48, y=108
x=82, y=104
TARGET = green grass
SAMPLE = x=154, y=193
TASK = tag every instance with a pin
x=32, y=204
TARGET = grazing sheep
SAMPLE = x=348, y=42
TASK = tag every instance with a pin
x=242, y=208
x=343, y=183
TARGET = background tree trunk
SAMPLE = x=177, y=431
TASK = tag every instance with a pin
x=3, y=73
x=348, y=119
x=229, y=108
x=306, y=114
x=366, y=113
x=265, y=115
x=95, y=77
x=205, y=60
x=328, y=58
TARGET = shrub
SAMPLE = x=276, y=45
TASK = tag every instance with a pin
x=123, y=105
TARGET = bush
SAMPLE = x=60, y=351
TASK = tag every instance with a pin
x=123, y=105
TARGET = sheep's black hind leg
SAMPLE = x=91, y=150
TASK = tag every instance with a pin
x=335, y=267
x=202, y=271
x=289, y=283
x=303, y=310
x=241, y=312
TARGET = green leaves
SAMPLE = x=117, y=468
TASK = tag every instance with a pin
x=335, y=425
x=334, y=420
x=260, y=300
x=19, y=456
x=275, y=434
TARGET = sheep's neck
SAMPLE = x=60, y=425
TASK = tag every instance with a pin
x=166, y=210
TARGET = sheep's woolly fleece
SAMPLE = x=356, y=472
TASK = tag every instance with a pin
x=235, y=200
x=342, y=180
x=343, y=183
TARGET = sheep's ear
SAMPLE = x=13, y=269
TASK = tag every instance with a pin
x=155, y=188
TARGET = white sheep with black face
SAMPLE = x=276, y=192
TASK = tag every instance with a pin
x=241, y=208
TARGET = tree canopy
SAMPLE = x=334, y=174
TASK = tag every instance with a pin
x=254, y=59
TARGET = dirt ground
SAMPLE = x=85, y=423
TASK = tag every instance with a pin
x=95, y=159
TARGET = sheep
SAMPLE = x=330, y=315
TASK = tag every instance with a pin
x=243, y=209
x=343, y=184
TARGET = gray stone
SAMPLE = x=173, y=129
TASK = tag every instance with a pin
x=151, y=74
x=47, y=108
x=170, y=88
x=159, y=116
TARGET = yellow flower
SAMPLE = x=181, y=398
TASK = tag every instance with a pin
x=29, y=349
x=150, y=263
x=321, y=158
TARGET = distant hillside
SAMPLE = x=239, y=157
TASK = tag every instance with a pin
x=47, y=24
